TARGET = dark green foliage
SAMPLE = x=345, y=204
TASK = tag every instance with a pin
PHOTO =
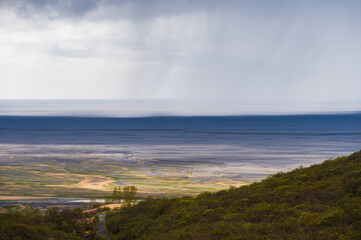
x=129, y=195
x=319, y=202
x=117, y=195
x=54, y=224
x=126, y=195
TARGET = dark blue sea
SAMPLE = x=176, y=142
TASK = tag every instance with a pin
x=250, y=147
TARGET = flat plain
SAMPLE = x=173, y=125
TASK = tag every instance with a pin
x=91, y=176
x=162, y=156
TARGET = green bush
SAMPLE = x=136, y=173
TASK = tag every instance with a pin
x=54, y=224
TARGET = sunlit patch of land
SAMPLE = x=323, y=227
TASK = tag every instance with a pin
x=12, y=198
x=93, y=176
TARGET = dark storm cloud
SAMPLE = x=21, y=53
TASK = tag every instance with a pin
x=59, y=8
x=134, y=9
x=138, y=10
x=143, y=9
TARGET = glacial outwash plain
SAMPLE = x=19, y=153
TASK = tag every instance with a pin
x=93, y=175
x=87, y=157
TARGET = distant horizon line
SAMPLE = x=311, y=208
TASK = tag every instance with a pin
x=168, y=99
x=139, y=108
x=187, y=116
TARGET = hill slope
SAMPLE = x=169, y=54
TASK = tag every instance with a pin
x=318, y=202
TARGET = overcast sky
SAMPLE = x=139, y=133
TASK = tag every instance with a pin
x=217, y=51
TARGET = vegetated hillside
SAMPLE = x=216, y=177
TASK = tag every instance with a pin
x=21, y=222
x=318, y=202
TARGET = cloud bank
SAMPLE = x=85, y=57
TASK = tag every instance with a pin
x=217, y=51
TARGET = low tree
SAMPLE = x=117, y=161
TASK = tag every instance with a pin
x=129, y=195
x=117, y=195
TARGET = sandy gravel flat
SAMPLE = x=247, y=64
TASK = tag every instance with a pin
x=7, y=198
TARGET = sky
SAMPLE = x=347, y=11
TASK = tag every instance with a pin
x=267, y=54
